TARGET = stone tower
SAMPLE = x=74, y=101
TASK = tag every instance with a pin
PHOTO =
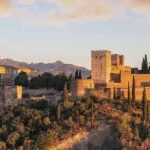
x=101, y=66
x=122, y=60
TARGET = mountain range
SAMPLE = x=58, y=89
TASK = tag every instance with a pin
x=53, y=68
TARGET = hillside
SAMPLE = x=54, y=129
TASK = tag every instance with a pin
x=53, y=68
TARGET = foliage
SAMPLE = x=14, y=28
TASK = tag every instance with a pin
x=45, y=139
x=145, y=67
x=46, y=80
x=78, y=74
x=144, y=104
x=41, y=126
x=22, y=79
x=133, y=90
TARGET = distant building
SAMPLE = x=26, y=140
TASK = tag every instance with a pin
x=7, y=75
x=29, y=71
x=10, y=95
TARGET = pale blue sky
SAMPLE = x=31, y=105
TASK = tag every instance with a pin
x=69, y=39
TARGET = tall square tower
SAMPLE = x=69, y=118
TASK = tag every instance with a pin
x=101, y=66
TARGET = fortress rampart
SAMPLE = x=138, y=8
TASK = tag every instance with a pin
x=108, y=71
x=81, y=88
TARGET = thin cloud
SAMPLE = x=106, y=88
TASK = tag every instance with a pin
x=140, y=7
x=81, y=11
x=5, y=8
x=143, y=4
x=26, y=2
x=66, y=11
x=62, y=2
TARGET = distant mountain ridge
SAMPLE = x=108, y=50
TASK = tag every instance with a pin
x=53, y=68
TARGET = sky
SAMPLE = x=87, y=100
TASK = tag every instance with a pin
x=67, y=30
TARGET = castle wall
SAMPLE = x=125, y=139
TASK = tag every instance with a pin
x=123, y=93
x=115, y=78
x=140, y=79
x=101, y=93
x=80, y=88
x=9, y=95
x=19, y=92
x=119, y=69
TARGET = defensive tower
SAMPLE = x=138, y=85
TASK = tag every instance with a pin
x=101, y=66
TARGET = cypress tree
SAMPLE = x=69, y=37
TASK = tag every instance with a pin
x=146, y=64
x=143, y=65
x=148, y=111
x=76, y=74
x=129, y=97
x=114, y=93
x=92, y=108
x=144, y=104
x=65, y=94
x=133, y=90
x=58, y=112
x=80, y=75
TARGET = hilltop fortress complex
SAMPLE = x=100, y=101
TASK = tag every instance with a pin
x=108, y=72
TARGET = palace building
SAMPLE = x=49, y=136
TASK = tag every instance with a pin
x=109, y=72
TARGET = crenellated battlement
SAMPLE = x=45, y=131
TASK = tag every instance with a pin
x=100, y=52
x=117, y=59
x=114, y=55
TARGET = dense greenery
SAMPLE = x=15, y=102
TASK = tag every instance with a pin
x=78, y=74
x=38, y=126
x=145, y=68
x=22, y=79
x=46, y=80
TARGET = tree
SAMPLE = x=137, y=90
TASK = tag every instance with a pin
x=35, y=83
x=2, y=145
x=146, y=64
x=48, y=79
x=45, y=140
x=58, y=112
x=22, y=79
x=114, y=93
x=144, y=104
x=129, y=98
x=92, y=109
x=148, y=110
x=143, y=65
x=13, y=138
x=125, y=130
x=133, y=90
x=65, y=94
x=46, y=121
x=80, y=75
x=77, y=74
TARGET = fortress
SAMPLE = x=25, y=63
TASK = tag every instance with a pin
x=108, y=72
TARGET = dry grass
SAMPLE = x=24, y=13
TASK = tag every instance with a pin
x=68, y=143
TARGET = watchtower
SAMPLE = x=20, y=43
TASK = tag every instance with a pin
x=101, y=66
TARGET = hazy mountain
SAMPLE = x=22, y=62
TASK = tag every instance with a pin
x=54, y=68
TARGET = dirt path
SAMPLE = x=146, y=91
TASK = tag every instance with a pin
x=101, y=139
